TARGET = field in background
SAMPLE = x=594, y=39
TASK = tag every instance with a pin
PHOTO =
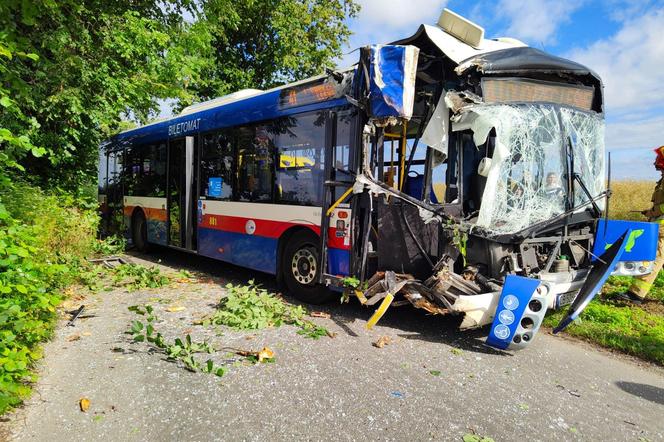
x=629, y=198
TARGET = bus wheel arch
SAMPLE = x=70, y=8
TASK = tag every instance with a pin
x=298, y=265
x=139, y=230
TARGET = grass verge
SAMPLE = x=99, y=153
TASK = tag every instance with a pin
x=44, y=239
x=632, y=329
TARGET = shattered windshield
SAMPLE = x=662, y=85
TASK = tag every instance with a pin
x=527, y=176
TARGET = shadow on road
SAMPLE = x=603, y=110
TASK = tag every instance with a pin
x=644, y=391
x=413, y=323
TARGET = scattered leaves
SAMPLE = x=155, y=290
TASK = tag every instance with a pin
x=472, y=437
x=84, y=404
x=249, y=307
x=382, y=342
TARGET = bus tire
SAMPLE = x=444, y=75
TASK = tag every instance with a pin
x=139, y=232
x=301, y=269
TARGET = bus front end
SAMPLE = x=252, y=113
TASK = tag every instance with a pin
x=488, y=199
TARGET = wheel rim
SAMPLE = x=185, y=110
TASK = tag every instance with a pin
x=304, y=265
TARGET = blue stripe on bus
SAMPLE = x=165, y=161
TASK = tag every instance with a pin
x=251, y=251
x=253, y=109
x=157, y=232
x=338, y=262
x=257, y=252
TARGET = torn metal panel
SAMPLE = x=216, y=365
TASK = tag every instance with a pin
x=454, y=48
x=458, y=100
x=521, y=60
x=419, y=301
x=392, y=71
x=436, y=133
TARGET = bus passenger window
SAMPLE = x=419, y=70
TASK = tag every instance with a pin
x=217, y=166
x=438, y=177
x=300, y=154
x=255, y=164
x=146, y=170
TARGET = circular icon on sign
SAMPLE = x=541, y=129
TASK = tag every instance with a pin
x=501, y=331
x=250, y=227
x=506, y=317
x=511, y=302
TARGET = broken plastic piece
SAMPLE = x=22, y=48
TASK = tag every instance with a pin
x=598, y=275
x=380, y=311
x=518, y=315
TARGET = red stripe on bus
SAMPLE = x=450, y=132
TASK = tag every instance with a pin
x=265, y=228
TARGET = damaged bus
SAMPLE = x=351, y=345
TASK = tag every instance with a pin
x=458, y=174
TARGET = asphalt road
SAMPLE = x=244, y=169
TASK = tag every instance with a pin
x=430, y=383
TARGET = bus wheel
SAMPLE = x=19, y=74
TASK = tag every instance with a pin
x=139, y=232
x=301, y=268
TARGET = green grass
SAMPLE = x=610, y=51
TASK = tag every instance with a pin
x=636, y=330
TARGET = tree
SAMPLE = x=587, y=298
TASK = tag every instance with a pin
x=265, y=43
x=73, y=70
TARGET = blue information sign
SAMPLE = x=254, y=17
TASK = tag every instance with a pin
x=214, y=187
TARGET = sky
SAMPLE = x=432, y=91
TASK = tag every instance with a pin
x=620, y=40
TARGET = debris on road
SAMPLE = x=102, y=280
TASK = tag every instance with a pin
x=323, y=315
x=382, y=342
x=110, y=262
x=75, y=314
x=264, y=355
x=84, y=404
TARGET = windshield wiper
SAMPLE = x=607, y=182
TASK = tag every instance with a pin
x=575, y=176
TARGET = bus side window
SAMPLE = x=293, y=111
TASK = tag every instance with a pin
x=300, y=158
x=145, y=170
x=217, y=166
x=255, y=164
x=438, y=177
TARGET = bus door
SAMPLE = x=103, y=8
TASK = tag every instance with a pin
x=182, y=192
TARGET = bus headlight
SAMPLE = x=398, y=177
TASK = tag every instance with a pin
x=633, y=268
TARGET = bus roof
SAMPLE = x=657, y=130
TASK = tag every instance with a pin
x=242, y=107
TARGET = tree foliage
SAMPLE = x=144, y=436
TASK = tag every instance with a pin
x=264, y=43
x=72, y=71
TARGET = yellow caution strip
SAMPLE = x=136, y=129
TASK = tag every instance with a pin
x=361, y=297
x=380, y=311
x=339, y=201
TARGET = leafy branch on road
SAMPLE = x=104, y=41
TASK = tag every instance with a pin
x=249, y=307
x=178, y=350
